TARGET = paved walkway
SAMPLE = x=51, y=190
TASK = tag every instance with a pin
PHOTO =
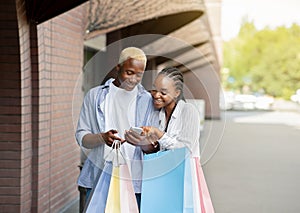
x=252, y=161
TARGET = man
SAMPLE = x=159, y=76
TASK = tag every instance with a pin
x=110, y=109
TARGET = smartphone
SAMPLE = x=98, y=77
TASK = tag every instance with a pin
x=138, y=130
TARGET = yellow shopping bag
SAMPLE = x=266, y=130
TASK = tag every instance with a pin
x=113, y=200
x=121, y=197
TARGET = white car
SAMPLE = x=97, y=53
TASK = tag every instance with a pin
x=296, y=97
x=264, y=102
x=226, y=100
x=244, y=102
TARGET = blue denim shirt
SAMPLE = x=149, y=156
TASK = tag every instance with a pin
x=92, y=120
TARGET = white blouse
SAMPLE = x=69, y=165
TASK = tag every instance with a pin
x=183, y=128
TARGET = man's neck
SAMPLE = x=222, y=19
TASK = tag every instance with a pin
x=116, y=82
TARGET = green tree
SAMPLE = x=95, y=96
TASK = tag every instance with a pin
x=265, y=60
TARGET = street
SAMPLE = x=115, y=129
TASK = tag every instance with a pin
x=251, y=161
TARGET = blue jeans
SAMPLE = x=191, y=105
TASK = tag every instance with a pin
x=87, y=195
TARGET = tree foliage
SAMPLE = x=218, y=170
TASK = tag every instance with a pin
x=265, y=60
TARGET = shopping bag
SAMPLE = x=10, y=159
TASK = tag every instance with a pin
x=98, y=196
x=163, y=182
x=113, y=198
x=188, y=198
x=114, y=191
x=128, y=199
x=195, y=187
x=205, y=199
x=176, y=181
x=121, y=197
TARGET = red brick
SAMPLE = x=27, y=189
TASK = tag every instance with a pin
x=4, y=199
x=10, y=119
x=13, y=93
x=6, y=128
x=10, y=208
x=27, y=151
x=8, y=50
x=9, y=182
x=9, y=25
x=7, y=154
x=10, y=164
x=7, y=145
x=10, y=72
x=26, y=170
x=9, y=190
x=9, y=58
x=7, y=173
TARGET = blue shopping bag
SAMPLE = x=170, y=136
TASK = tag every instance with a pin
x=164, y=187
x=98, y=197
x=188, y=199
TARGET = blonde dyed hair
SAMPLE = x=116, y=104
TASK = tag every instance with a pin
x=134, y=53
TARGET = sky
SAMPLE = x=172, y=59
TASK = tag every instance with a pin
x=264, y=13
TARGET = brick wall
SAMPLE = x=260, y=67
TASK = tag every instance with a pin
x=39, y=67
x=26, y=109
x=60, y=43
x=12, y=104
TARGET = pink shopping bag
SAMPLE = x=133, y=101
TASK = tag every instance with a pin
x=121, y=197
x=127, y=195
x=205, y=200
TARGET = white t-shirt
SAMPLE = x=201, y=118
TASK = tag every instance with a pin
x=120, y=107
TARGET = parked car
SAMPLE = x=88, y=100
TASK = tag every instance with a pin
x=231, y=101
x=264, y=102
x=296, y=97
x=252, y=102
x=244, y=102
x=226, y=100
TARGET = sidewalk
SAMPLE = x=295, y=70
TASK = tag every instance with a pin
x=74, y=208
x=256, y=167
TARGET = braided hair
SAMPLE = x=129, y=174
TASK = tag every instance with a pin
x=177, y=77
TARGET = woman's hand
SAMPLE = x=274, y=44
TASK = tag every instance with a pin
x=146, y=140
x=136, y=139
x=152, y=131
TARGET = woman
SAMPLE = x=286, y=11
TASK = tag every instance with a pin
x=176, y=124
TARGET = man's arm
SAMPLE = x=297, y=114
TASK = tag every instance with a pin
x=91, y=141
